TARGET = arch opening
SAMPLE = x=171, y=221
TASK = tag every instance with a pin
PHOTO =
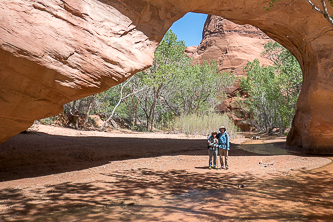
x=78, y=54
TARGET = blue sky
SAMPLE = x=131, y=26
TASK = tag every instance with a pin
x=189, y=28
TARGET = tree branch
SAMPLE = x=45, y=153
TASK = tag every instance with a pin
x=315, y=7
x=327, y=16
x=121, y=99
x=324, y=13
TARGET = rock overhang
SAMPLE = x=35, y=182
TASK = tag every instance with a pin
x=52, y=52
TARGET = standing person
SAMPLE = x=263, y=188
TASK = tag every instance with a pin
x=212, y=149
x=224, y=147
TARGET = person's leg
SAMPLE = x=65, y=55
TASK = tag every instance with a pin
x=215, y=158
x=222, y=157
x=226, y=159
x=220, y=154
x=210, y=153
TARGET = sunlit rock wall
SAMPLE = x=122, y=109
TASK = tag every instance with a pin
x=53, y=52
x=232, y=46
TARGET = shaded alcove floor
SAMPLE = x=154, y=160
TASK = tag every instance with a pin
x=89, y=176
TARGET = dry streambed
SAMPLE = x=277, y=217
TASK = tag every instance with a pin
x=161, y=179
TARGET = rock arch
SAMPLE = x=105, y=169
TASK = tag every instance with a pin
x=55, y=51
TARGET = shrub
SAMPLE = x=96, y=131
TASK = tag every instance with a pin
x=48, y=120
x=202, y=124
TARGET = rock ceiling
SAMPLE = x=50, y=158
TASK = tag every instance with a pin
x=56, y=51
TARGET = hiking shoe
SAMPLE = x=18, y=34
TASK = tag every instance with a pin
x=215, y=167
x=222, y=167
x=210, y=167
x=227, y=168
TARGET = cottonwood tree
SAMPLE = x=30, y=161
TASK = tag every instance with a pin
x=132, y=102
x=91, y=102
x=121, y=98
x=198, y=88
x=168, y=63
x=273, y=89
x=175, y=86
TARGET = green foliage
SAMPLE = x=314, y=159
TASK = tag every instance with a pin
x=171, y=87
x=107, y=100
x=176, y=87
x=270, y=4
x=48, y=120
x=202, y=124
x=274, y=89
x=169, y=61
x=195, y=88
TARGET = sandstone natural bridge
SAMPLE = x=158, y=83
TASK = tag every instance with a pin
x=56, y=51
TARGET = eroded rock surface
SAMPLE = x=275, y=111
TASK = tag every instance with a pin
x=232, y=46
x=52, y=52
x=55, y=51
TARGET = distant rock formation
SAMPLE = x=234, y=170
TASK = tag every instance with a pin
x=232, y=46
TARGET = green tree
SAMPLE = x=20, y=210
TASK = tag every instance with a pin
x=261, y=85
x=176, y=87
x=122, y=96
x=171, y=87
x=169, y=61
x=198, y=88
x=274, y=89
x=106, y=102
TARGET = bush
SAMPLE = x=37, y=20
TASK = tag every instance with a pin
x=203, y=124
x=48, y=120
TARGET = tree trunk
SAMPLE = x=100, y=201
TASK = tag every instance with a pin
x=121, y=99
x=88, y=112
x=114, y=109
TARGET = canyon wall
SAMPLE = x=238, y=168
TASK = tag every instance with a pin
x=232, y=46
x=55, y=51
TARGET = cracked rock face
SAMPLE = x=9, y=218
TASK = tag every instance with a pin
x=55, y=51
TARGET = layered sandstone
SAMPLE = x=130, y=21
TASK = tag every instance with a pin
x=55, y=51
x=232, y=46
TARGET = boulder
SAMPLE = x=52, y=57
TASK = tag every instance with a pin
x=55, y=51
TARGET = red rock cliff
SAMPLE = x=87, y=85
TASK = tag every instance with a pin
x=232, y=46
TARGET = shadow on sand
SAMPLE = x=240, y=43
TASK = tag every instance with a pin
x=132, y=194
x=38, y=154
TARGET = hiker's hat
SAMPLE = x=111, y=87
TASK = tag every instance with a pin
x=222, y=127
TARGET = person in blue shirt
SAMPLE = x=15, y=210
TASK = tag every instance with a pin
x=224, y=147
x=212, y=149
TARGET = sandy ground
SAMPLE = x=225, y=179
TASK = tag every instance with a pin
x=58, y=174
